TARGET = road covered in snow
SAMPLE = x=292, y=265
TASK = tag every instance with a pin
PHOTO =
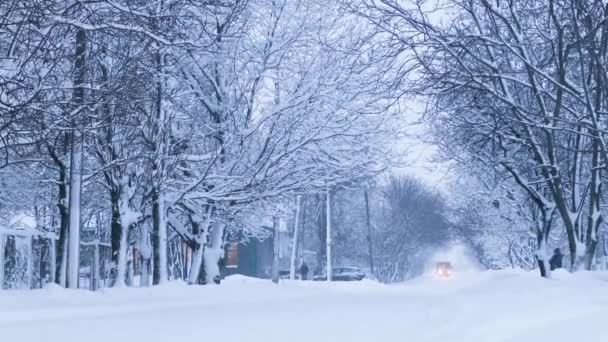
x=476, y=306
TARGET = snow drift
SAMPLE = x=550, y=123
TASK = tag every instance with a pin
x=476, y=306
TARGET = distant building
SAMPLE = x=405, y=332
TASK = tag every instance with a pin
x=252, y=258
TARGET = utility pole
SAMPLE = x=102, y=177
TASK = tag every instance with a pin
x=328, y=237
x=76, y=158
x=302, y=247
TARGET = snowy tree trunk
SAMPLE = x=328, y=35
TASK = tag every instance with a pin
x=1, y=261
x=542, y=256
x=275, y=250
x=328, y=239
x=162, y=236
x=200, y=231
x=64, y=217
x=30, y=261
x=197, y=263
x=145, y=252
x=214, y=253
x=542, y=240
x=95, y=271
x=594, y=218
x=590, y=254
x=130, y=272
x=184, y=260
x=121, y=267
x=321, y=218
x=60, y=251
x=144, y=277
x=159, y=240
x=115, y=230
x=62, y=276
x=296, y=234
x=123, y=218
x=197, y=255
x=510, y=254
x=122, y=259
x=52, y=259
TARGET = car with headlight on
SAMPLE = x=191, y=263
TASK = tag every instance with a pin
x=444, y=269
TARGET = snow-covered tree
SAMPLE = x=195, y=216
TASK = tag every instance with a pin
x=514, y=87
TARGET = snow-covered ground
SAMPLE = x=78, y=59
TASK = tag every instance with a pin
x=475, y=306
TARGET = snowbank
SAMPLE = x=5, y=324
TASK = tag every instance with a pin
x=471, y=306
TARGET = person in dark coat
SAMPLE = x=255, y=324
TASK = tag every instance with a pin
x=556, y=260
x=304, y=271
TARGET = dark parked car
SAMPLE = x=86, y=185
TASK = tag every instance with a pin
x=343, y=274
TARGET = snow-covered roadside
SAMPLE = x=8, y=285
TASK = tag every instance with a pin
x=486, y=306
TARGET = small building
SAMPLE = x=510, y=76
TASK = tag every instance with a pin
x=252, y=258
